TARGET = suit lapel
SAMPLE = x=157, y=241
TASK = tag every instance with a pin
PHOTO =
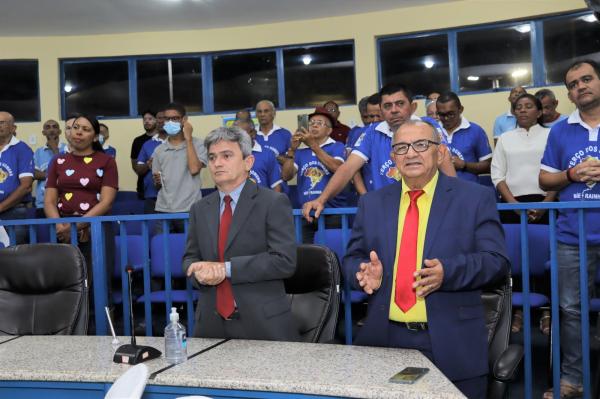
x=211, y=211
x=242, y=210
x=441, y=203
x=392, y=198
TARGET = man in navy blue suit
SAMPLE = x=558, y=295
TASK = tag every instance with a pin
x=423, y=248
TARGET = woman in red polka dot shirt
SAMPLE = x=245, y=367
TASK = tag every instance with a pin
x=83, y=182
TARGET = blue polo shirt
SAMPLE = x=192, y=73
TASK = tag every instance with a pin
x=110, y=150
x=41, y=159
x=374, y=147
x=16, y=162
x=312, y=176
x=266, y=171
x=353, y=135
x=144, y=156
x=469, y=143
x=504, y=123
x=277, y=140
x=571, y=142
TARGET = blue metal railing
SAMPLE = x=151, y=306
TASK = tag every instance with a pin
x=100, y=292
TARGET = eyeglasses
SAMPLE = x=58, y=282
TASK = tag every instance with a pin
x=318, y=123
x=418, y=146
x=172, y=118
x=447, y=115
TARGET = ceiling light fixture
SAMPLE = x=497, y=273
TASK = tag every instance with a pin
x=526, y=28
x=307, y=59
x=473, y=78
x=68, y=88
x=519, y=73
x=429, y=64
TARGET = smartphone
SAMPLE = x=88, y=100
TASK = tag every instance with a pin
x=303, y=121
x=409, y=375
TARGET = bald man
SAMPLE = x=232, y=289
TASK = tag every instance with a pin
x=269, y=135
x=16, y=174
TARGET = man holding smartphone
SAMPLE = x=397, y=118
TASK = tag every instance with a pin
x=314, y=157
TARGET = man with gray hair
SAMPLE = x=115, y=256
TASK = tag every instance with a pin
x=550, y=116
x=240, y=248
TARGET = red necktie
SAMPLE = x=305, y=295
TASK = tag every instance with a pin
x=405, y=296
x=225, y=304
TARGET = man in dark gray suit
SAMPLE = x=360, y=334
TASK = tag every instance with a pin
x=240, y=248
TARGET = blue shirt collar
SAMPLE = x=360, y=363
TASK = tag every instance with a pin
x=234, y=194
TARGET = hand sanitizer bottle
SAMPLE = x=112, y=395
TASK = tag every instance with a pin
x=175, y=340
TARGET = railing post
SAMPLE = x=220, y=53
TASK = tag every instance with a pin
x=585, y=317
x=526, y=303
x=99, y=273
x=554, y=307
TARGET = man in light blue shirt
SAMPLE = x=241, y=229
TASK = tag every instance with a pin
x=508, y=121
x=41, y=160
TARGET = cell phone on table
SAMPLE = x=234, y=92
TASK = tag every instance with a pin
x=409, y=375
x=303, y=121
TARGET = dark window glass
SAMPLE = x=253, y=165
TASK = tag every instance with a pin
x=568, y=39
x=317, y=74
x=97, y=88
x=153, y=86
x=420, y=63
x=241, y=80
x=494, y=58
x=20, y=90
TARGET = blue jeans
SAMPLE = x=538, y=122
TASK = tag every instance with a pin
x=16, y=212
x=570, y=307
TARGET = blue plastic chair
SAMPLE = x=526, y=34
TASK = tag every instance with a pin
x=539, y=253
x=172, y=259
x=135, y=257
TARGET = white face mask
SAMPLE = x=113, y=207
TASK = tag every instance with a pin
x=172, y=128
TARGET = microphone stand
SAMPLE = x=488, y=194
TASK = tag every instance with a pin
x=133, y=353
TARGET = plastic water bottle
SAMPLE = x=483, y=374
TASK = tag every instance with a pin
x=175, y=340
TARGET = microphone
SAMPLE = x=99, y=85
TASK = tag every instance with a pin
x=133, y=353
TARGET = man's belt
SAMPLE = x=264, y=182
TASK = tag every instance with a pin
x=414, y=326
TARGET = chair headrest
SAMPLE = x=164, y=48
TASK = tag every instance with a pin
x=313, y=271
x=40, y=268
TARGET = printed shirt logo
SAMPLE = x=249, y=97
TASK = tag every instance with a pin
x=394, y=173
x=389, y=170
x=5, y=172
x=579, y=156
x=315, y=175
x=3, y=175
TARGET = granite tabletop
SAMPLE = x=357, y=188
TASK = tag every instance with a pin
x=74, y=358
x=318, y=369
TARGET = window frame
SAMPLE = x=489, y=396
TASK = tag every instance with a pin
x=538, y=59
x=206, y=72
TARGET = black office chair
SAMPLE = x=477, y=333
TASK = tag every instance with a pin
x=504, y=359
x=315, y=293
x=43, y=290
